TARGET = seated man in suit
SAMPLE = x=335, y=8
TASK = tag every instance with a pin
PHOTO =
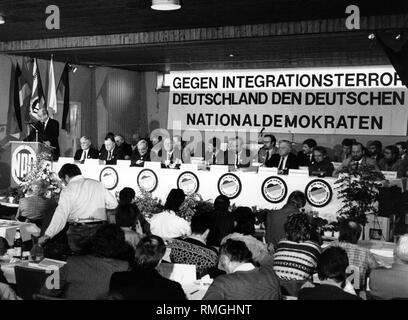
x=48, y=132
x=169, y=155
x=122, y=144
x=268, y=149
x=237, y=155
x=214, y=155
x=111, y=153
x=284, y=160
x=141, y=154
x=86, y=151
x=305, y=156
x=322, y=166
x=375, y=151
x=110, y=135
x=357, y=159
x=345, y=150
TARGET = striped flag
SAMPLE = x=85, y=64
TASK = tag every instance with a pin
x=63, y=88
x=37, y=94
x=51, y=94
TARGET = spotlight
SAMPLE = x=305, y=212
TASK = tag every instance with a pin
x=398, y=36
x=165, y=5
x=371, y=36
x=2, y=18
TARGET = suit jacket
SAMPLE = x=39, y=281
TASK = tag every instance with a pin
x=50, y=133
x=322, y=169
x=219, y=157
x=349, y=162
x=145, y=284
x=291, y=162
x=117, y=154
x=304, y=160
x=126, y=149
x=262, y=154
x=244, y=160
x=92, y=154
x=136, y=156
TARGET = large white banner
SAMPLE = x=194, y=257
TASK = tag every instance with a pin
x=348, y=100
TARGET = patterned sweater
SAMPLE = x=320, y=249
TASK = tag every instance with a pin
x=296, y=261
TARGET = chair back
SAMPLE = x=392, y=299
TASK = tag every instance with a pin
x=29, y=281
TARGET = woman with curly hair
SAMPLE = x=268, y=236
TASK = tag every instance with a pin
x=296, y=256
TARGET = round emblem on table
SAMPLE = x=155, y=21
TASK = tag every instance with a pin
x=318, y=193
x=109, y=178
x=188, y=182
x=147, y=180
x=229, y=185
x=274, y=189
x=21, y=162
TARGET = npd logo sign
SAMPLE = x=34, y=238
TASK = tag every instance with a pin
x=22, y=160
x=318, y=193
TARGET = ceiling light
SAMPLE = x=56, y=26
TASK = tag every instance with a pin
x=371, y=36
x=398, y=36
x=2, y=19
x=165, y=5
x=231, y=55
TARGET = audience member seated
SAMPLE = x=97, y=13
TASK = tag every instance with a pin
x=244, y=221
x=35, y=207
x=276, y=219
x=374, y=150
x=237, y=155
x=108, y=135
x=168, y=224
x=169, y=156
x=194, y=249
x=331, y=270
x=285, y=159
x=402, y=148
x=126, y=217
x=392, y=283
x=305, y=156
x=141, y=154
x=86, y=277
x=322, y=166
x=361, y=260
x=223, y=222
x=214, y=155
x=345, y=151
x=392, y=162
x=296, y=257
x=243, y=280
x=144, y=282
x=124, y=146
x=268, y=148
x=86, y=151
x=356, y=160
x=111, y=153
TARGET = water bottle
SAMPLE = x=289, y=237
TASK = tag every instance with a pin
x=18, y=245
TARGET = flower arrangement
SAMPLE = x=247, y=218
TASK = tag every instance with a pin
x=41, y=171
x=147, y=204
x=192, y=204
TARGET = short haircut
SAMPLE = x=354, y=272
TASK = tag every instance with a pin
x=377, y=144
x=111, y=135
x=348, y=142
x=110, y=138
x=149, y=251
x=175, y=199
x=297, y=198
x=108, y=241
x=69, y=169
x=350, y=231
x=200, y=222
x=85, y=138
x=43, y=110
x=245, y=220
x=403, y=144
x=332, y=264
x=358, y=144
x=120, y=136
x=236, y=250
x=298, y=227
x=401, y=249
x=273, y=139
x=126, y=195
x=287, y=142
x=394, y=150
x=221, y=203
x=142, y=143
x=126, y=215
x=310, y=143
x=321, y=149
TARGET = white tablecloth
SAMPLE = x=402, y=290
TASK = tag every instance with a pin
x=8, y=230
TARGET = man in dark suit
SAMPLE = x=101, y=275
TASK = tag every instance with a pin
x=111, y=153
x=268, y=149
x=122, y=144
x=305, y=156
x=48, y=132
x=284, y=160
x=169, y=155
x=237, y=155
x=141, y=154
x=86, y=151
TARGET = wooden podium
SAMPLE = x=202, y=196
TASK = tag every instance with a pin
x=23, y=154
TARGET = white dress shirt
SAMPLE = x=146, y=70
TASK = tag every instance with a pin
x=167, y=224
x=81, y=199
x=245, y=267
x=282, y=162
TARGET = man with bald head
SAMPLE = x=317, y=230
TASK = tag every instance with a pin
x=392, y=283
x=48, y=132
x=284, y=159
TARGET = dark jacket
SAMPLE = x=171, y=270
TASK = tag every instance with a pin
x=145, y=284
x=322, y=169
x=51, y=134
x=325, y=292
x=304, y=160
x=117, y=154
x=221, y=226
x=291, y=162
x=92, y=154
x=126, y=149
x=136, y=156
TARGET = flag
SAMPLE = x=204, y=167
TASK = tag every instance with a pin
x=17, y=102
x=51, y=94
x=63, y=85
x=37, y=94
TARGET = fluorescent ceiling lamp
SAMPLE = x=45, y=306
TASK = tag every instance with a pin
x=2, y=19
x=165, y=5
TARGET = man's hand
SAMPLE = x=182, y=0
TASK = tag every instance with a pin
x=47, y=143
x=43, y=239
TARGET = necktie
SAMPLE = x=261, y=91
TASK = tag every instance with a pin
x=110, y=155
x=83, y=155
x=280, y=163
x=214, y=159
x=267, y=155
x=236, y=159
